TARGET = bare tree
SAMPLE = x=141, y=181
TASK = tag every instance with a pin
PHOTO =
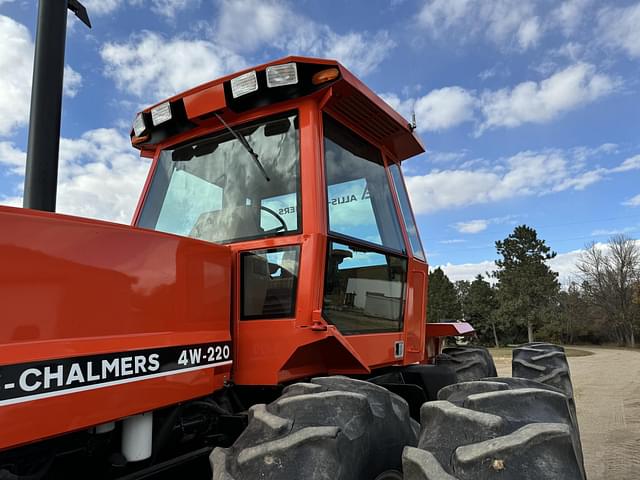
x=611, y=277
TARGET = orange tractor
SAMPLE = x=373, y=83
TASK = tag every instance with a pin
x=264, y=315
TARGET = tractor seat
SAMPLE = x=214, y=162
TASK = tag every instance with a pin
x=227, y=224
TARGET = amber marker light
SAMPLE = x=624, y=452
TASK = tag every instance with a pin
x=324, y=76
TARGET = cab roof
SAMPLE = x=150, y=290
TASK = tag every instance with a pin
x=350, y=98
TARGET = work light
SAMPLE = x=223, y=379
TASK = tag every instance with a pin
x=161, y=113
x=285, y=74
x=243, y=84
x=138, y=125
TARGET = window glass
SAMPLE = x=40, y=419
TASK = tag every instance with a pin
x=358, y=192
x=212, y=189
x=269, y=281
x=187, y=196
x=364, y=290
x=276, y=208
x=405, y=208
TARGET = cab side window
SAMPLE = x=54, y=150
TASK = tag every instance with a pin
x=366, y=269
x=358, y=192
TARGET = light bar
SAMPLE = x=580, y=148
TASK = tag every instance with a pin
x=138, y=125
x=244, y=84
x=279, y=75
x=161, y=113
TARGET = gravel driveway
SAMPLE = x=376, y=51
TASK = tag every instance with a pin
x=607, y=391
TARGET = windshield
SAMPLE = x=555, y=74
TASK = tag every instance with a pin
x=212, y=189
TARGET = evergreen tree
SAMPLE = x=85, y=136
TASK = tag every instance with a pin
x=480, y=310
x=527, y=288
x=462, y=290
x=443, y=304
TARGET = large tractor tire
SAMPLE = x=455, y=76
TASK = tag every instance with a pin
x=469, y=363
x=496, y=430
x=545, y=363
x=332, y=428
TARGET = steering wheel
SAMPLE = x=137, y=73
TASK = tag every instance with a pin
x=279, y=228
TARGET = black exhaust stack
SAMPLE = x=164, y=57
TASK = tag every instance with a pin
x=41, y=177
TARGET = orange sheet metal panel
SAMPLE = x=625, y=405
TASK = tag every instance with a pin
x=415, y=311
x=205, y=101
x=449, y=329
x=95, y=317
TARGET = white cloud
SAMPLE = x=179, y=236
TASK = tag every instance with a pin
x=275, y=23
x=563, y=263
x=569, y=15
x=12, y=157
x=16, y=65
x=444, y=108
x=583, y=180
x=633, y=201
x=100, y=176
x=616, y=231
x=72, y=81
x=467, y=271
x=439, y=190
x=488, y=73
x=361, y=52
x=169, y=8
x=526, y=173
x=446, y=157
x=480, y=224
x=540, y=102
x=452, y=241
x=632, y=163
x=102, y=7
x=152, y=67
x=527, y=102
x=165, y=8
x=246, y=25
x=403, y=106
x=16, y=56
x=472, y=226
x=507, y=23
x=438, y=110
x=620, y=28
x=581, y=154
x=529, y=33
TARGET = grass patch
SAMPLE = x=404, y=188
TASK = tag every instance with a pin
x=502, y=353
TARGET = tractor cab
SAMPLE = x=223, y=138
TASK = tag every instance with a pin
x=295, y=166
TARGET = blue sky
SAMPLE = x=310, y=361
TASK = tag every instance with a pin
x=529, y=109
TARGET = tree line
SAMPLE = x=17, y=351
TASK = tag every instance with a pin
x=522, y=299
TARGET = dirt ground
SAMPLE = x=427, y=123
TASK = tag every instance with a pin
x=607, y=391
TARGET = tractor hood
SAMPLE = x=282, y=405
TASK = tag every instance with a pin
x=101, y=321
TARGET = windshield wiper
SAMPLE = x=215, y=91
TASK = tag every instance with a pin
x=245, y=144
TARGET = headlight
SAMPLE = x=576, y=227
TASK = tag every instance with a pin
x=138, y=125
x=245, y=83
x=285, y=74
x=161, y=113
